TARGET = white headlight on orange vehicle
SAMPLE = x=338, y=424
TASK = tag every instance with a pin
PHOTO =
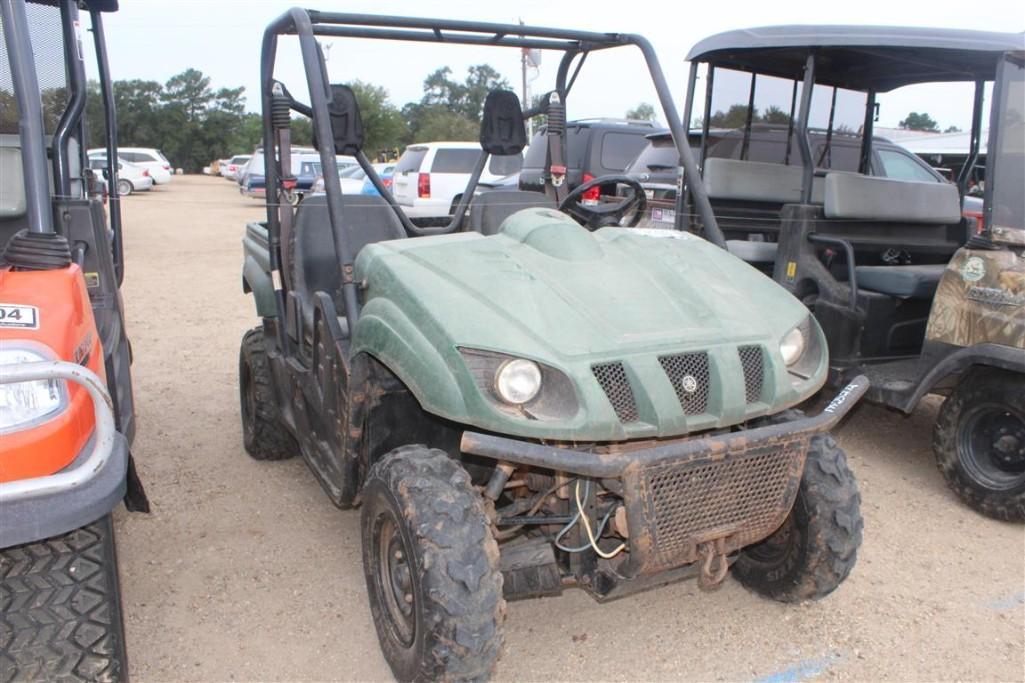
x=27, y=404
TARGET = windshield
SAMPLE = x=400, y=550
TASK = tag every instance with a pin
x=1006, y=173
x=659, y=156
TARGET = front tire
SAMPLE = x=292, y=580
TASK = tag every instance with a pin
x=60, y=608
x=816, y=548
x=431, y=566
x=263, y=433
x=979, y=442
x=124, y=188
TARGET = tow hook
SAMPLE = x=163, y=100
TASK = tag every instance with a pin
x=713, y=564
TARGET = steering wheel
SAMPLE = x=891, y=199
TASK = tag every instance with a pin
x=606, y=213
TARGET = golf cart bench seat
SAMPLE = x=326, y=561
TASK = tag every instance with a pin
x=490, y=209
x=757, y=181
x=850, y=196
x=903, y=282
x=366, y=219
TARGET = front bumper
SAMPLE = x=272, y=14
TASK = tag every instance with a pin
x=85, y=490
x=728, y=490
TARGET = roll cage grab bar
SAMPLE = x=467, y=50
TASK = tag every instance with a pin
x=307, y=24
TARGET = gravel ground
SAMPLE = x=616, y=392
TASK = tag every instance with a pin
x=244, y=570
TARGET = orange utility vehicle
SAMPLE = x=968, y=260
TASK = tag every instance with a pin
x=66, y=412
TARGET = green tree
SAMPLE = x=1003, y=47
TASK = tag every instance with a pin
x=952, y=129
x=923, y=121
x=775, y=115
x=383, y=125
x=734, y=117
x=439, y=123
x=642, y=112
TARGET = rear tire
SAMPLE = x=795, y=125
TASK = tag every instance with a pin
x=60, y=608
x=263, y=433
x=816, y=548
x=431, y=565
x=124, y=188
x=979, y=442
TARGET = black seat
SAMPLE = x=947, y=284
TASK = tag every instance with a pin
x=904, y=282
x=490, y=209
x=366, y=219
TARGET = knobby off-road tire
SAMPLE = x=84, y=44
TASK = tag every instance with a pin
x=263, y=433
x=817, y=546
x=431, y=566
x=60, y=609
x=979, y=442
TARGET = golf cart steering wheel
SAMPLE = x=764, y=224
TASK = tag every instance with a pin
x=606, y=213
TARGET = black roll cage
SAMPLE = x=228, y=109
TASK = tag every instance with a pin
x=39, y=208
x=939, y=57
x=308, y=24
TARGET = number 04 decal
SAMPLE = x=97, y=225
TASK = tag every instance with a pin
x=17, y=315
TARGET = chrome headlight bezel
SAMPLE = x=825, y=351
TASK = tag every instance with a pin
x=517, y=381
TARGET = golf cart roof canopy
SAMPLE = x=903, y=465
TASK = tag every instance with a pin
x=88, y=5
x=879, y=58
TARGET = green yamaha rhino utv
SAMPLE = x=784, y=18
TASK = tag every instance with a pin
x=913, y=286
x=541, y=400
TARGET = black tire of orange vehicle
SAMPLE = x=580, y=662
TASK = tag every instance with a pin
x=263, y=434
x=816, y=548
x=60, y=608
x=431, y=566
x=979, y=442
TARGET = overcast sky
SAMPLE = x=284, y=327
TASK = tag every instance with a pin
x=155, y=39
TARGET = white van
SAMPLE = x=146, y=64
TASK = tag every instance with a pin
x=430, y=177
x=151, y=159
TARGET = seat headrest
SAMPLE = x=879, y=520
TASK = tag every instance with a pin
x=346, y=122
x=502, y=129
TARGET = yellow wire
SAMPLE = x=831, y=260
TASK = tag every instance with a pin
x=590, y=534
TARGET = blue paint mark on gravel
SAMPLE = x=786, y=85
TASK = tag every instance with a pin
x=801, y=670
x=1005, y=604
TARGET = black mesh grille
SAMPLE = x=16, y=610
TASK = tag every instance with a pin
x=753, y=362
x=612, y=378
x=689, y=374
x=44, y=30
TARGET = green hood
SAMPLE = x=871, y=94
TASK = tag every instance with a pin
x=547, y=289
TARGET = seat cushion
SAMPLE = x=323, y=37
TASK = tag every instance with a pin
x=490, y=209
x=753, y=252
x=858, y=197
x=905, y=282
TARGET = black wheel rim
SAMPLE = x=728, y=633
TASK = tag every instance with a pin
x=991, y=446
x=394, y=579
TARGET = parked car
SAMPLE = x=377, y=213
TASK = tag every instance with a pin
x=233, y=165
x=305, y=167
x=387, y=175
x=594, y=148
x=351, y=177
x=130, y=177
x=429, y=178
x=151, y=159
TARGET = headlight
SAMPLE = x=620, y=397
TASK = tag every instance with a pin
x=518, y=381
x=26, y=404
x=792, y=346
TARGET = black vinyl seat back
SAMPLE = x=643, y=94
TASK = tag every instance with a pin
x=367, y=219
x=490, y=209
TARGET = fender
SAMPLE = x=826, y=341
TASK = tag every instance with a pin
x=257, y=280
x=954, y=360
x=386, y=333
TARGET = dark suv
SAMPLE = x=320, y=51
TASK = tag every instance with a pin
x=594, y=147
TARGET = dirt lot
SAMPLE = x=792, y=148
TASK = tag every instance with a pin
x=245, y=570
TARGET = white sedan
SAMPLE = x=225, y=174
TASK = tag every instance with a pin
x=130, y=177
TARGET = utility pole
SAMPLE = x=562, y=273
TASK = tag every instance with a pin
x=523, y=77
